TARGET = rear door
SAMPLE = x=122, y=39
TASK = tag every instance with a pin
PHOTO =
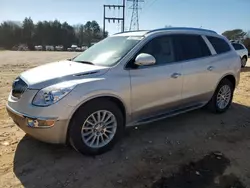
x=220, y=61
x=195, y=57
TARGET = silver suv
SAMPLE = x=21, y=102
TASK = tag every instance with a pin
x=127, y=79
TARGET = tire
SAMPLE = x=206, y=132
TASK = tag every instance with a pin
x=79, y=121
x=213, y=105
x=243, y=62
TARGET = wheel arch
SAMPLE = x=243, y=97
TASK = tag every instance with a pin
x=245, y=56
x=230, y=77
x=118, y=101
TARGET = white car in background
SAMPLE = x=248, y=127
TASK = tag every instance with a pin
x=72, y=48
x=39, y=47
x=49, y=48
x=59, y=48
x=242, y=52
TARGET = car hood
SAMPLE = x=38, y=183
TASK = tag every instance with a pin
x=56, y=72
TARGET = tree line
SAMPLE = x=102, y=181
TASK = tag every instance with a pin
x=239, y=35
x=57, y=33
x=49, y=33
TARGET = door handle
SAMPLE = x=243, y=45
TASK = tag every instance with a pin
x=210, y=68
x=175, y=75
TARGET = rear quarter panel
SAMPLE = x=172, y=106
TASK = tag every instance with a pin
x=226, y=64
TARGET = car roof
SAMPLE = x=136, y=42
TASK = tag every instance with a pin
x=132, y=33
x=169, y=29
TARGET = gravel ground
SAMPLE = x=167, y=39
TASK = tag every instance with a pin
x=193, y=150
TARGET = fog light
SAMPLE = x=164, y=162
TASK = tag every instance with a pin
x=32, y=123
x=40, y=123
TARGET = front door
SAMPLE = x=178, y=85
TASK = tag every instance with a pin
x=156, y=89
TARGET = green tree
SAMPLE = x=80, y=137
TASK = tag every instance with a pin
x=28, y=32
x=68, y=35
x=49, y=33
x=10, y=34
x=236, y=34
x=92, y=32
x=56, y=32
x=39, y=32
x=79, y=32
x=246, y=42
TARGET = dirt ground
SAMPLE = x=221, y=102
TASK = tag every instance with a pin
x=193, y=150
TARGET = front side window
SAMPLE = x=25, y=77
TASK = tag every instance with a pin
x=220, y=45
x=109, y=51
x=161, y=48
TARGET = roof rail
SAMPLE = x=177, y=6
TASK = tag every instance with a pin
x=130, y=32
x=182, y=28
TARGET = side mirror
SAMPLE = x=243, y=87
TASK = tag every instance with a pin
x=144, y=59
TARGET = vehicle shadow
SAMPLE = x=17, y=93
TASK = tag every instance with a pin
x=37, y=164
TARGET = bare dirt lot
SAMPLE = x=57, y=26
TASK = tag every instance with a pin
x=193, y=150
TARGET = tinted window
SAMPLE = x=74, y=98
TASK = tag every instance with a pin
x=237, y=46
x=161, y=48
x=220, y=45
x=190, y=47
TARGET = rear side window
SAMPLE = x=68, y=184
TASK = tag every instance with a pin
x=190, y=47
x=237, y=46
x=220, y=45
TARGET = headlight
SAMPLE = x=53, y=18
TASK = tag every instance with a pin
x=50, y=95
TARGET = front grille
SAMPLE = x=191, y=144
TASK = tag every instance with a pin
x=18, y=87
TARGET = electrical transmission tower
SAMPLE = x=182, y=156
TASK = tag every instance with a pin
x=114, y=19
x=134, y=23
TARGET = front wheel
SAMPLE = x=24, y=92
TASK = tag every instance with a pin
x=222, y=97
x=96, y=127
x=243, y=62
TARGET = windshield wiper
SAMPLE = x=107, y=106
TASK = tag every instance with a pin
x=85, y=62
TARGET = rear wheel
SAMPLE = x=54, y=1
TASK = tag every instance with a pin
x=222, y=97
x=243, y=61
x=96, y=127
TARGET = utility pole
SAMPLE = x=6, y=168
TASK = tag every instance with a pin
x=134, y=23
x=114, y=19
x=123, y=15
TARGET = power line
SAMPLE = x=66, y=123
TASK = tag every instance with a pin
x=152, y=2
x=134, y=23
x=147, y=4
x=114, y=18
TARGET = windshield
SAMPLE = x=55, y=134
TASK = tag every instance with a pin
x=109, y=51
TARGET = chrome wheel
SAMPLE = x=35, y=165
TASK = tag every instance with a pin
x=99, y=129
x=224, y=97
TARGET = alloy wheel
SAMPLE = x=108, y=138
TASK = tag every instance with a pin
x=99, y=129
x=224, y=97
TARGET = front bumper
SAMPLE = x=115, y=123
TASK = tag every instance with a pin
x=54, y=134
